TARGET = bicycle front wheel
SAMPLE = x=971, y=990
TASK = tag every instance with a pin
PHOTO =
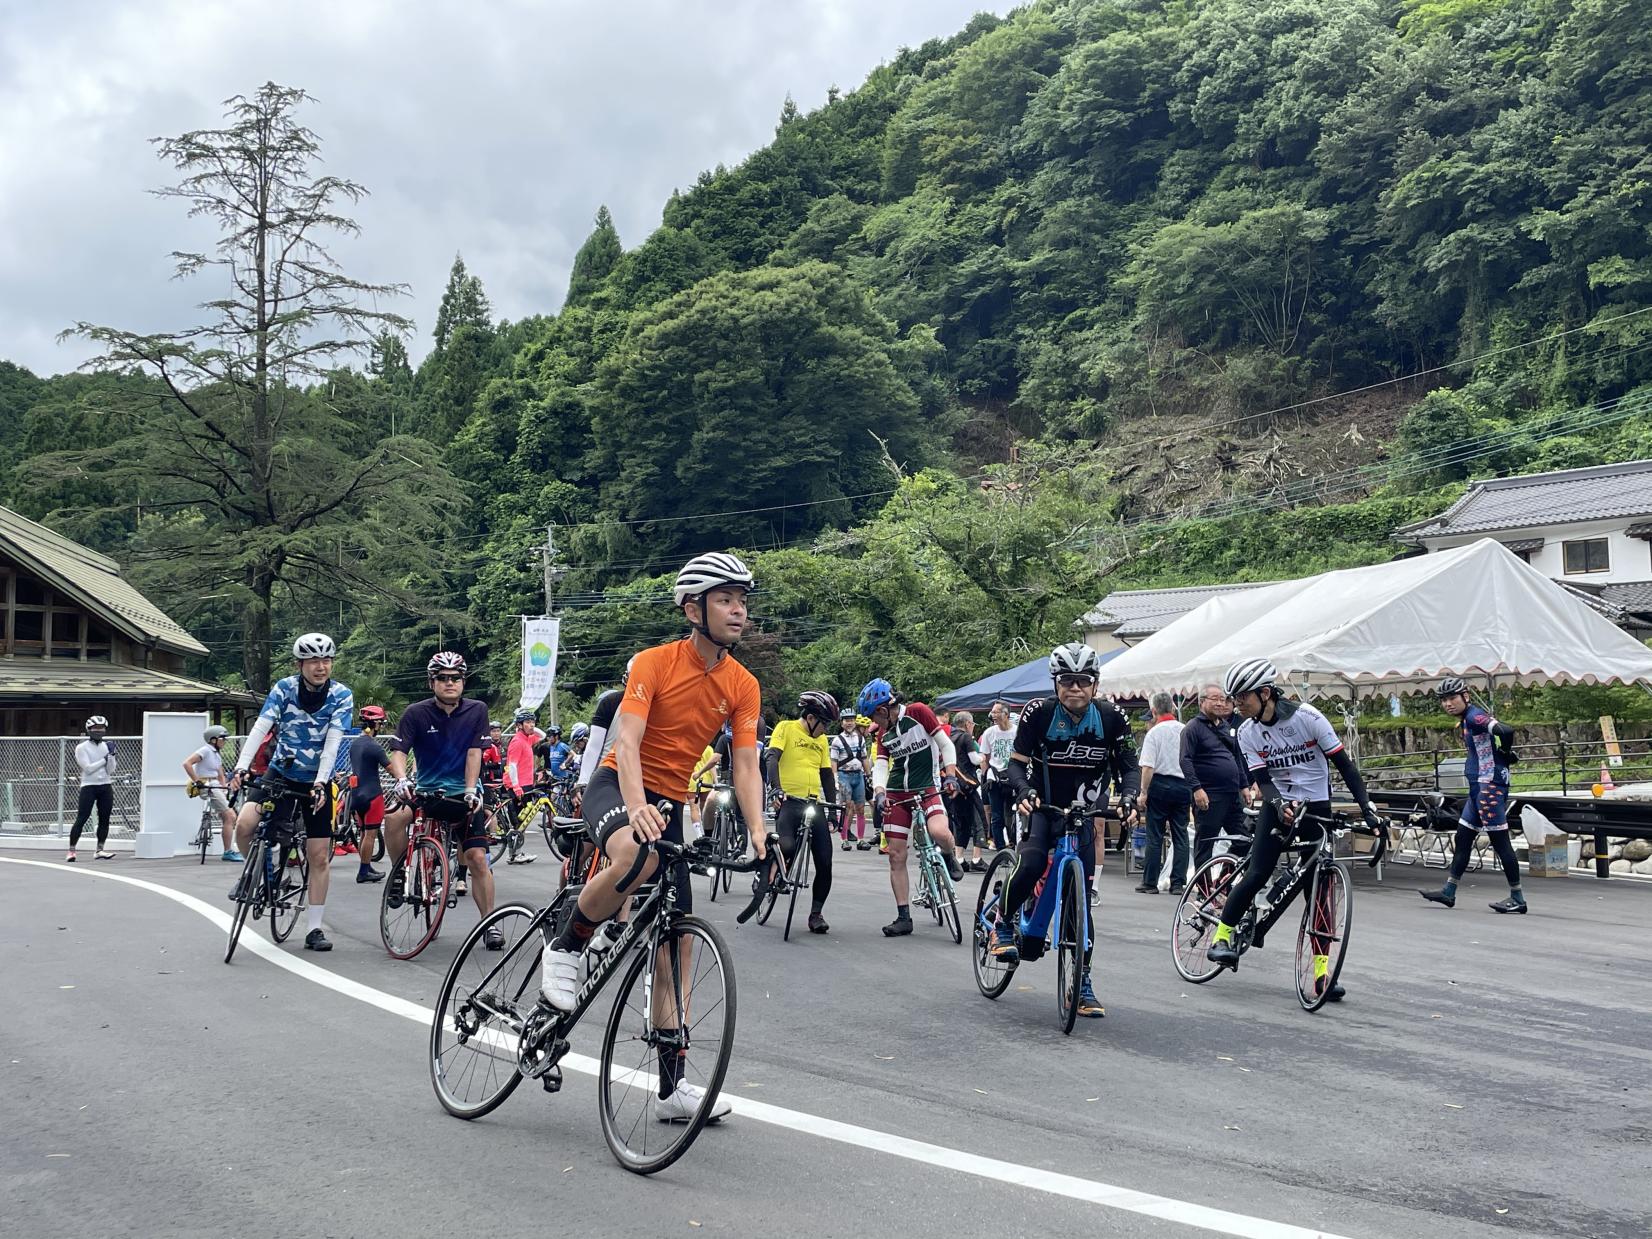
x=673, y=1019
x=481, y=1010
x=778, y=863
x=252, y=873
x=946, y=901
x=1069, y=953
x=500, y=832
x=799, y=879
x=206, y=835
x=410, y=911
x=1198, y=912
x=720, y=838
x=992, y=975
x=292, y=888
x=1322, y=941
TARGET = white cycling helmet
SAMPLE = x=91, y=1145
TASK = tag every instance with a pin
x=314, y=645
x=708, y=572
x=97, y=723
x=1074, y=658
x=446, y=660
x=1248, y=675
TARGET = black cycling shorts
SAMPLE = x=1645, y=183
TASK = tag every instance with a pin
x=606, y=815
x=470, y=829
x=293, y=801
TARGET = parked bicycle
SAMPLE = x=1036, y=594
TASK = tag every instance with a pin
x=275, y=877
x=676, y=997
x=1307, y=864
x=211, y=820
x=1056, y=918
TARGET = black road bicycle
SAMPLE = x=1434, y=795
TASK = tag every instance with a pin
x=676, y=997
x=275, y=876
x=726, y=829
x=794, y=876
x=1307, y=863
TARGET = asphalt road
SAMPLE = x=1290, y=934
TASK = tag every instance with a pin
x=1486, y=1076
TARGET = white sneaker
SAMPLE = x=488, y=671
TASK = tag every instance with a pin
x=681, y=1106
x=559, y=978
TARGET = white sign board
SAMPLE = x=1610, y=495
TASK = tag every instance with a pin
x=167, y=818
x=539, y=637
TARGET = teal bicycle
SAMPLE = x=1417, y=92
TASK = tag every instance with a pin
x=1056, y=918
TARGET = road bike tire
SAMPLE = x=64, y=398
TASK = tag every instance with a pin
x=719, y=837
x=500, y=832
x=1069, y=951
x=206, y=836
x=799, y=881
x=946, y=902
x=485, y=999
x=408, y=927
x=772, y=897
x=292, y=889
x=1327, y=919
x=250, y=877
x=738, y=840
x=1197, y=913
x=992, y=975
x=628, y=1076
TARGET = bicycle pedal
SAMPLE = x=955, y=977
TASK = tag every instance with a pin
x=552, y=1079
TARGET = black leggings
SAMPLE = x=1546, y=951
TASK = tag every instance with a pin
x=788, y=824
x=103, y=796
x=1033, y=854
x=1265, y=851
x=1463, y=850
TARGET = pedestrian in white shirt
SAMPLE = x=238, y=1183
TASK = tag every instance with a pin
x=96, y=758
x=997, y=742
x=1165, y=796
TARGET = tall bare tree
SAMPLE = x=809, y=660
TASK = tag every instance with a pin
x=253, y=480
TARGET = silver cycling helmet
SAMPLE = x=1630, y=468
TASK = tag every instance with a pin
x=708, y=572
x=215, y=732
x=1074, y=658
x=314, y=645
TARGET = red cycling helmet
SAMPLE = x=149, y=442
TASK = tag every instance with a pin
x=372, y=714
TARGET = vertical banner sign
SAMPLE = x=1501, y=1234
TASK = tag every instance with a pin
x=538, y=659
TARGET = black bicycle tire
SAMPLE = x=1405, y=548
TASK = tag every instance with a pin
x=444, y=995
x=303, y=863
x=981, y=938
x=690, y=925
x=719, y=839
x=804, y=857
x=769, y=900
x=738, y=839
x=1069, y=952
x=502, y=844
x=205, y=836
x=1324, y=873
x=946, y=903
x=1193, y=891
x=422, y=846
x=243, y=905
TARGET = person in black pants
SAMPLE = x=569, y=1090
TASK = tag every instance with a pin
x=96, y=758
x=1164, y=796
x=1212, y=769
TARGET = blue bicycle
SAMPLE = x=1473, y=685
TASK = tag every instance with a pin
x=1056, y=917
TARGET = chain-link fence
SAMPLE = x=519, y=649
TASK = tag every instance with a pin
x=40, y=783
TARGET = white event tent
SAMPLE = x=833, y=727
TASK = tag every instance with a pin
x=1478, y=611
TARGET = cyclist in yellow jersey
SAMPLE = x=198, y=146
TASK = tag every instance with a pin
x=800, y=765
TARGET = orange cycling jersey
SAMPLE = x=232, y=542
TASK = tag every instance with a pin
x=684, y=703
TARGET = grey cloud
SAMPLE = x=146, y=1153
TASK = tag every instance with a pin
x=494, y=130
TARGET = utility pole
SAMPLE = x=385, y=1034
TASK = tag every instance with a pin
x=553, y=574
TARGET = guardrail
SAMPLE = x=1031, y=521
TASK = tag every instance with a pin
x=1564, y=766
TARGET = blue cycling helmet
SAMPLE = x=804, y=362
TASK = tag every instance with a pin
x=876, y=693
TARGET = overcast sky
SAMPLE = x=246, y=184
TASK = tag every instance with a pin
x=493, y=128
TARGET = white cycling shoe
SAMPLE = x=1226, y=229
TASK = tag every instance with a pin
x=681, y=1106
x=559, y=978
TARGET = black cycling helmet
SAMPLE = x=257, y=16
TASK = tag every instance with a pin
x=1451, y=686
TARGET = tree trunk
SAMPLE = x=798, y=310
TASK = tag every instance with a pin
x=255, y=647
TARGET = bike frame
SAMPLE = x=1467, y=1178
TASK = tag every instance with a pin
x=1304, y=861
x=1039, y=922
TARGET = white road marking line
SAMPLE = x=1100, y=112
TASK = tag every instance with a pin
x=1108, y=1195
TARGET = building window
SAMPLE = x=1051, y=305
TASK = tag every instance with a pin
x=1586, y=555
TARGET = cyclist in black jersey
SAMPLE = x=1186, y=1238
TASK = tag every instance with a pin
x=1289, y=748
x=1068, y=750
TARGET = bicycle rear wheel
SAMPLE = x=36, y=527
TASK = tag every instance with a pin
x=1069, y=952
x=992, y=975
x=681, y=1008
x=206, y=835
x=1198, y=912
x=1322, y=941
x=292, y=888
x=408, y=921
x=501, y=842
x=252, y=873
x=481, y=1009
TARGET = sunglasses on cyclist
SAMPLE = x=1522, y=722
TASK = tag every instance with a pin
x=449, y=678
x=1075, y=681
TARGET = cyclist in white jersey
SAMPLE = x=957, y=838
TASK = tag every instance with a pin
x=1289, y=748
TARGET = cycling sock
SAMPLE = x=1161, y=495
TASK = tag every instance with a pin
x=1224, y=932
x=1516, y=894
x=312, y=915
x=577, y=934
x=903, y=912
x=1449, y=890
x=671, y=1070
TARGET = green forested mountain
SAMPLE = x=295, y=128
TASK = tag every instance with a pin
x=1105, y=293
